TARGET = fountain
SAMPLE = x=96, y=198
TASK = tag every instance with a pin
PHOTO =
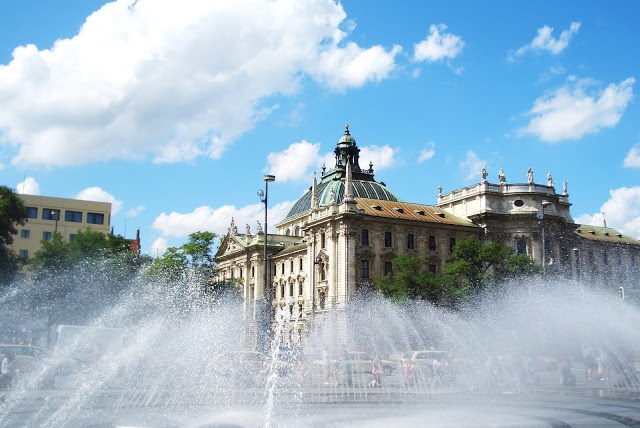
x=178, y=361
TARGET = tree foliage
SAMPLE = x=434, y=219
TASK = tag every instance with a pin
x=476, y=266
x=411, y=280
x=193, y=263
x=76, y=279
x=12, y=213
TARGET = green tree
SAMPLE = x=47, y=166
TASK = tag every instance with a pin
x=76, y=279
x=411, y=279
x=12, y=213
x=478, y=266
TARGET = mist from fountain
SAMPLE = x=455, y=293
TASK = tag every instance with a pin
x=176, y=363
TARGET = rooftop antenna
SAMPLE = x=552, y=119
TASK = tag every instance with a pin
x=604, y=220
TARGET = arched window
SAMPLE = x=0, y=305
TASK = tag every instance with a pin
x=521, y=246
x=432, y=243
x=364, y=237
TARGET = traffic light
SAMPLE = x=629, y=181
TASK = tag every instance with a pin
x=621, y=292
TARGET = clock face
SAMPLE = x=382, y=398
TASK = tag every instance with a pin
x=539, y=216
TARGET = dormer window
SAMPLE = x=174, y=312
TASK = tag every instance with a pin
x=376, y=207
x=398, y=209
x=419, y=212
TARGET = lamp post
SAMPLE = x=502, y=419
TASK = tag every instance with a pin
x=57, y=218
x=265, y=318
x=544, y=249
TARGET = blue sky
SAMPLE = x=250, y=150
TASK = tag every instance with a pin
x=173, y=111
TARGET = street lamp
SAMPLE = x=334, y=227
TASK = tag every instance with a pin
x=265, y=318
x=57, y=218
x=544, y=249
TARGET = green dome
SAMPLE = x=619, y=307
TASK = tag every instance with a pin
x=331, y=187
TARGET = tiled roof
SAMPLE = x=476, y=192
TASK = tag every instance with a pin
x=409, y=211
x=605, y=234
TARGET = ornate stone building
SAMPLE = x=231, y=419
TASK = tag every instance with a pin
x=348, y=227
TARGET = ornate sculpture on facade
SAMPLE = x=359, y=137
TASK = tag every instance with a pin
x=260, y=231
x=530, y=176
x=484, y=174
x=550, y=182
x=501, y=177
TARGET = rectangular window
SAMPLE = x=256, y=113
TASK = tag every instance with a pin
x=72, y=237
x=24, y=254
x=387, y=239
x=432, y=269
x=46, y=236
x=364, y=269
x=291, y=265
x=300, y=265
x=323, y=274
x=322, y=240
x=95, y=218
x=388, y=268
x=73, y=216
x=253, y=271
x=364, y=237
x=32, y=212
x=25, y=233
x=452, y=243
x=411, y=245
x=432, y=243
x=50, y=214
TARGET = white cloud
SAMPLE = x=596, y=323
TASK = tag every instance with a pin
x=217, y=220
x=427, y=152
x=621, y=211
x=381, y=157
x=545, y=42
x=353, y=66
x=99, y=195
x=159, y=247
x=472, y=166
x=570, y=112
x=632, y=160
x=28, y=187
x=135, y=211
x=173, y=80
x=438, y=46
x=295, y=162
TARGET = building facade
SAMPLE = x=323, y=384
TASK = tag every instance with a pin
x=347, y=228
x=47, y=215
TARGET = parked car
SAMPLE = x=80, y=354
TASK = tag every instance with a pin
x=26, y=358
x=361, y=362
x=244, y=367
x=429, y=363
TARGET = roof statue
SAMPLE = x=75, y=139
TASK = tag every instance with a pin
x=550, y=182
x=530, y=176
x=484, y=174
x=564, y=187
x=248, y=229
x=233, y=229
x=260, y=231
x=501, y=177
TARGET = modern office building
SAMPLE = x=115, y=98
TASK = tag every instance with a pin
x=47, y=215
x=348, y=227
